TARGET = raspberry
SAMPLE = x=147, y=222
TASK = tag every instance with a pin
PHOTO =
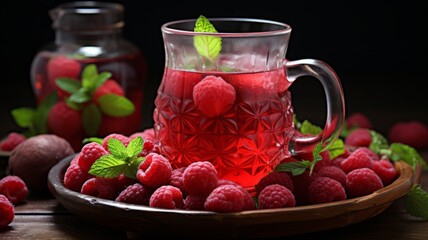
x=225, y=182
x=7, y=212
x=121, y=182
x=168, y=197
x=193, y=202
x=75, y=177
x=412, y=133
x=385, y=170
x=200, y=178
x=149, y=147
x=357, y=159
x=333, y=172
x=12, y=140
x=177, y=179
x=135, y=194
x=361, y=182
x=66, y=123
x=155, y=171
x=99, y=187
x=14, y=188
x=337, y=162
x=373, y=156
x=62, y=66
x=301, y=184
x=124, y=139
x=225, y=198
x=324, y=189
x=276, y=196
x=358, y=120
x=359, y=137
x=213, y=96
x=280, y=178
x=89, y=154
x=108, y=87
x=248, y=199
x=148, y=133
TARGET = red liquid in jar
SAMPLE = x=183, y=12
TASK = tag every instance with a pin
x=245, y=143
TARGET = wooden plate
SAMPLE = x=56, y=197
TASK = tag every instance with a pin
x=247, y=224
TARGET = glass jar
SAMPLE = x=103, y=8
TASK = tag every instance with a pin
x=88, y=61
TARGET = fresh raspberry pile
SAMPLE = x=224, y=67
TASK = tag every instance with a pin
x=12, y=140
x=13, y=191
x=357, y=172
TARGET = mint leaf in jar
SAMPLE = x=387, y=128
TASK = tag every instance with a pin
x=208, y=46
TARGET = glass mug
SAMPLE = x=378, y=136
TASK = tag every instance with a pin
x=235, y=110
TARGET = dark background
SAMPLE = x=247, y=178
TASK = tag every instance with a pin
x=379, y=52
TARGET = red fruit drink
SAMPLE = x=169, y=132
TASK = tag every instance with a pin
x=245, y=139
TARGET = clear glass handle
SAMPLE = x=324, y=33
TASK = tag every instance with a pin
x=335, y=102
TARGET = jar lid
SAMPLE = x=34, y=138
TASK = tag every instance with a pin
x=87, y=16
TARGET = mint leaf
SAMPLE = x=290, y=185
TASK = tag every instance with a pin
x=316, y=157
x=296, y=168
x=131, y=171
x=117, y=148
x=68, y=84
x=135, y=147
x=101, y=78
x=406, y=153
x=91, y=118
x=89, y=77
x=24, y=116
x=378, y=143
x=121, y=160
x=206, y=46
x=108, y=166
x=80, y=96
x=417, y=202
x=309, y=128
x=115, y=105
x=337, y=148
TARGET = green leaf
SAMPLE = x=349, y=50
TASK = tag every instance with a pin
x=378, y=143
x=316, y=157
x=206, y=46
x=90, y=71
x=42, y=112
x=108, y=166
x=337, y=148
x=309, y=128
x=135, y=147
x=81, y=96
x=68, y=84
x=104, y=76
x=296, y=168
x=117, y=148
x=24, y=116
x=115, y=105
x=131, y=171
x=91, y=118
x=93, y=139
x=417, y=202
x=406, y=153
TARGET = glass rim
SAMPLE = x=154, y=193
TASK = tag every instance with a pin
x=166, y=28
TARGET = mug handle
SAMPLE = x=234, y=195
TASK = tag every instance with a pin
x=335, y=103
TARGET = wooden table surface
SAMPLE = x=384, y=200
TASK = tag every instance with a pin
x=45, y=218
